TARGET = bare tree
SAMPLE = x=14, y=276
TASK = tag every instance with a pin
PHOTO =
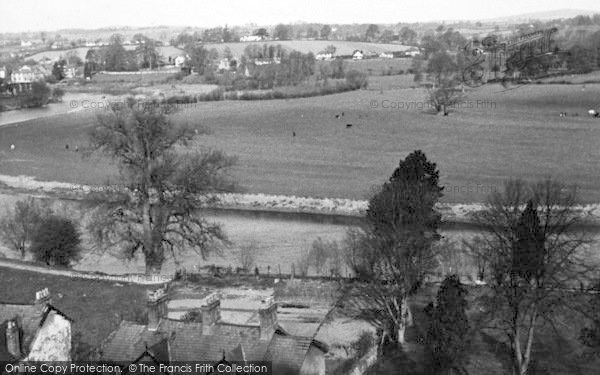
x=247, y=255
x=20, y=225
x=157, y=213
x=393, y=252
x=534, y=245
x=303, y=262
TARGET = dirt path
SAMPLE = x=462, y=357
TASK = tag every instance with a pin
x=131, y=278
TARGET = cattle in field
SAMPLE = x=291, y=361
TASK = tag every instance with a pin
x=12, y=147
x=348, y=125
x=593, y=113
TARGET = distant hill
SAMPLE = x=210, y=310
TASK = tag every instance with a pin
x=542, y=16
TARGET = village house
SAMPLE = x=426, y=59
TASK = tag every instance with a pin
x=252, y=38
x=21, y=80
x=179, y=61
x=34, y=332
x=413, y=51
x=211, y=338
x=386, y=55
x=324, y=56
x=357, y=55
x=224, y=64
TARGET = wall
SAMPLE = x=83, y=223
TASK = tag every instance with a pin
x=53, y=340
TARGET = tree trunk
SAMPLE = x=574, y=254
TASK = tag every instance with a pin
x=405, y=322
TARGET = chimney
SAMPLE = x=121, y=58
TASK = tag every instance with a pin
x=157, y=307
x=211, y=312
x=42, y=297
x=13, y=339
x=267, y=314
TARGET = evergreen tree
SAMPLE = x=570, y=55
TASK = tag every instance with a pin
x=446, y=344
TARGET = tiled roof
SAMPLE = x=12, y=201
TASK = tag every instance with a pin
x=287, y=353
x=28, y=319
x=128, y=341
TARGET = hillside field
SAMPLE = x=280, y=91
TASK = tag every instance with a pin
x=498, y=133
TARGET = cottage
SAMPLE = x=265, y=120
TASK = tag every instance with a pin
x=34, y=332
x=252, y=38
x=179, y=61
x=357, y=55
x=413, y=51
x=209, y=338
x=324, y=56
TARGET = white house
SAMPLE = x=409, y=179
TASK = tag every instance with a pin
x=413, y=51
x=179, y=61
x=251, y=38
x=26, y=43
x=386, y=55
x=324, y=56
x=357, y=55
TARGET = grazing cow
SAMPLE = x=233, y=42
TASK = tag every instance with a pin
x=293, y=134
x=592, y=113
x=67, y=146
x=12, y=147
x=348, y=125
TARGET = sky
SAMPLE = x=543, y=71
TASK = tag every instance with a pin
x=49, y=15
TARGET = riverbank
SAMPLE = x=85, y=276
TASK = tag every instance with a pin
x=457, y=213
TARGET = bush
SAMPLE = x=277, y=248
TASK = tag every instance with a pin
x=356, y=79
x=57, y=94
x=56, y=241
x=364, y=343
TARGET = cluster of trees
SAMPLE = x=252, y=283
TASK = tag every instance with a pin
x=32, y=227
x=114, y=56
x=532, y=244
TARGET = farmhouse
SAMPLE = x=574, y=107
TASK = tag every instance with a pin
x=386, y=55
x=413, y=51
x=324, y=56
x=34, y=332
x=21, y=80
x=179, y=61
x=357, y=55
x=252, y=38
x=210, y=338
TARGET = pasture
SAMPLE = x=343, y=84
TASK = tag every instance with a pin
x=314, y=46
x=377, y=67
x=495, y=134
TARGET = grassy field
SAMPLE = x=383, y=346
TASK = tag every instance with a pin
x=496, y=134
x=97, y=307
x=314, y=46
x=377, y=67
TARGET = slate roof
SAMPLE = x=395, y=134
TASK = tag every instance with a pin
x=130, y=340
x=287, y=353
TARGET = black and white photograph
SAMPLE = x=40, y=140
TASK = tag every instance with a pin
x=341, y=187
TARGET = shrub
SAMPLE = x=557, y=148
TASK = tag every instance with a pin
x=364, y=343
x=57, y=94
x=356, y=79
x=56, y=242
